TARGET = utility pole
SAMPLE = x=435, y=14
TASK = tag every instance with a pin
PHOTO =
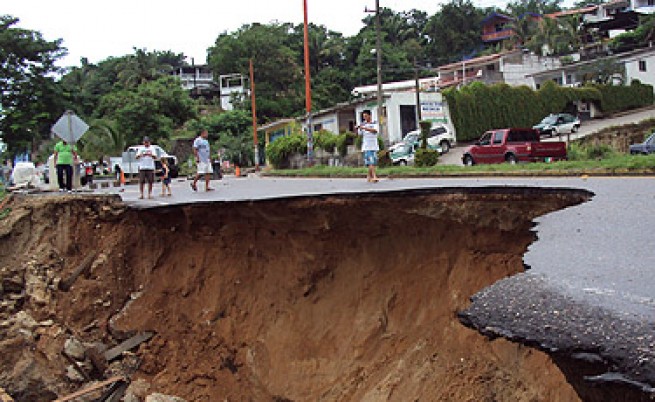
x=418, y=95
x=378, y=52
x=253, y=101
x=308, y=92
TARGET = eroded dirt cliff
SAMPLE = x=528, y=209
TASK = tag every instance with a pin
x=340, y=298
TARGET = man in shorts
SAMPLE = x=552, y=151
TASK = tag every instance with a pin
x=203, y=160
x=370, y=146
x=146, y=157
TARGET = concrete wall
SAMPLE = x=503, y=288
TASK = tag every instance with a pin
x=632, y=69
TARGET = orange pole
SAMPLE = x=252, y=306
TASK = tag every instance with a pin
x=253, y=99
x=308, y=83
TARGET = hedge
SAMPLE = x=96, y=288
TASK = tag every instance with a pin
x=478, y=107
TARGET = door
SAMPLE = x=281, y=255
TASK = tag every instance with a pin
x=407, y=119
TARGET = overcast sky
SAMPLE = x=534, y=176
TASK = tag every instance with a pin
x=97, y=29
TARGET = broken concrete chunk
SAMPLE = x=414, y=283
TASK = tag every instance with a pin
x=74, y=349
x=25, y=321
x=73, y=374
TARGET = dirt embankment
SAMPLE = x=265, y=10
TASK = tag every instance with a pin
x=334, y=299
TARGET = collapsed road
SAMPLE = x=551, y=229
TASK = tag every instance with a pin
x=333, y=290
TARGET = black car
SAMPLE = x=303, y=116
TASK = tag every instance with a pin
x=647, y=147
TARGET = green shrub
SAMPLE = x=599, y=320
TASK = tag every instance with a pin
x=279, y=151
x=601, y=151
x=426, y=157
x=384, y=159
x=342, y=142
x=325, y=140
x=578, y=152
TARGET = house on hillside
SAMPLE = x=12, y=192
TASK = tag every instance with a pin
x=496, y=28
x=513, y=68
x=638, y=65
x=198, y=80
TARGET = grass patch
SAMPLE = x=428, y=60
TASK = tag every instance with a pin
x=615, y=164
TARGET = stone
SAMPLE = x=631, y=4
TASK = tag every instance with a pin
x=73, y=375
x=25, y=321
x=163, y=398
x=74, y=349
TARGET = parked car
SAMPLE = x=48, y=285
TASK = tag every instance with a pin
x=555, y=124
x=645, y=148
x=403, y=154
x=513, y=145
x=440, y=138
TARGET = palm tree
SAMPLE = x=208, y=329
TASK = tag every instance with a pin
x=141, y=67
x=102, y=139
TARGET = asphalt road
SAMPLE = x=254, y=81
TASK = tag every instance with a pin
x=454, y=157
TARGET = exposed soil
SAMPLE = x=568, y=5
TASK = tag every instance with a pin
x=341, y=298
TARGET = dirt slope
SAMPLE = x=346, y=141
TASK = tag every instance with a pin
x=333, y=299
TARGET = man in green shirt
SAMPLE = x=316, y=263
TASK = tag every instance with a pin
x=65, y=155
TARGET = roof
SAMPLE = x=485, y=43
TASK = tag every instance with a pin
x=583, y=10
x=275, y=124
x=498, y=16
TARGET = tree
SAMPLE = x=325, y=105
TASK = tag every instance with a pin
x=154, y=108
x=278, y=74
x=31, y=100
x=102, y=139
x=231, y=131
x=541, y=7
x=146, y=66
x=453, y=32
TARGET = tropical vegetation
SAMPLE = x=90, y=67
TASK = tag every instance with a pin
x=127, y=96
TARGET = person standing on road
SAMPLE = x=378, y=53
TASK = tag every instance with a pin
x=203, y=160
x=146, y=157
x=370, y=146
x=165, y=178
x=65, y=155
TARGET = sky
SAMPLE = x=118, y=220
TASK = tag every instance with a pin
x=98, y=29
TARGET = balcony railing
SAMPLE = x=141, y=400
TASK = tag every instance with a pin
x=498, y=35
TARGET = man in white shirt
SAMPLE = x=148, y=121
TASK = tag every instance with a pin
x=146, y=157
x=370, y=146
x=202, y=153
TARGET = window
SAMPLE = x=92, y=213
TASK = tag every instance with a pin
x=486, y=139
x=498, y=137
x=642, y=65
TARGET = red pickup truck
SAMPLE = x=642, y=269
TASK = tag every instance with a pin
x=513, y=145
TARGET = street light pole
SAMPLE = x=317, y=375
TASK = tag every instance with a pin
x=378, y=46
x=418, y=95
x=253, y=100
